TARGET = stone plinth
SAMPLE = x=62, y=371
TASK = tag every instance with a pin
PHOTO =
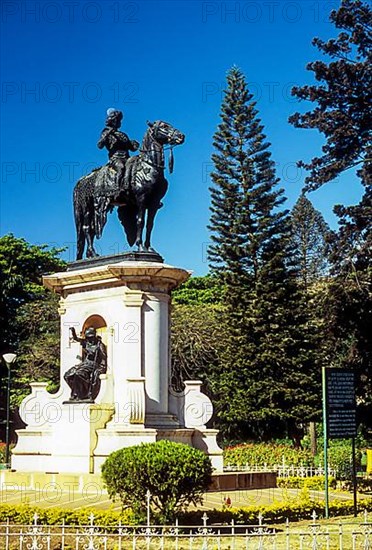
x=75, y=436
x=127, y=303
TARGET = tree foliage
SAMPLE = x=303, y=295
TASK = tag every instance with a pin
x=310, y=236
x=28, y=314
x=268, y=385
x=37, y=325
x=343, y=97
x=21, y=268
x=176, y=475
x=343, y=101
x=349, y=306
x=243, y=196
x=198, y=291
x=197, y=338
x=198, y=332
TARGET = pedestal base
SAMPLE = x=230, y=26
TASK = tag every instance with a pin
x=33, y=451
x=126, y=300
x=68, y=446
x=75, y=436
x=161, y=421
x=82, y=447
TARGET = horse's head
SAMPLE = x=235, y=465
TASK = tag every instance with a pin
x=165, y=133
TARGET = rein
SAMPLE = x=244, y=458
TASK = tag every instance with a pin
x=145, y=152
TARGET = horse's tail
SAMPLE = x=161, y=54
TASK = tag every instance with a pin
x=78, y=199
x=128, y=217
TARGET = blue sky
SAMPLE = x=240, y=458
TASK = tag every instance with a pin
x=65, y=62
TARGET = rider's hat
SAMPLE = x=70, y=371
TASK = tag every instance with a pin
x=111, y=112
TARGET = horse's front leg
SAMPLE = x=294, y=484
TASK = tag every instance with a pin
x=150, y=224
x=140, y=225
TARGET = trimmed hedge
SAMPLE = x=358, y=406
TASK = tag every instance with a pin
x=24, y=514
x=364, y=485
x=266, y=454
x=2, y=452
x=278, y=512
x=315, y=483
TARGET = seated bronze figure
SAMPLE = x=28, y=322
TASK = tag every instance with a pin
x=84, y=378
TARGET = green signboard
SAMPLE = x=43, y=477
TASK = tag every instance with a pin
x=340, y=403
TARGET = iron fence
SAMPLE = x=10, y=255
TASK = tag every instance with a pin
x=282, y=471
x=314, y=536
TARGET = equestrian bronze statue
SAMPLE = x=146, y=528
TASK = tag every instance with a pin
x=136, y=185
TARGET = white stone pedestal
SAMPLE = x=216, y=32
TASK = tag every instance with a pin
x=128, y=305
x=75, y=436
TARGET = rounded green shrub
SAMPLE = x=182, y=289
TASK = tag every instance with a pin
x=175, y=475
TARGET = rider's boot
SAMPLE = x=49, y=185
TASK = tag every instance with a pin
x=126, y=180
x=126, y=186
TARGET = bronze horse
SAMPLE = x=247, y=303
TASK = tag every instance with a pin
x=93, y=200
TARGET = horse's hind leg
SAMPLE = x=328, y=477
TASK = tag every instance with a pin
x=80, y=236
x=79, y=222
x=149, y=225
x=89, y=235
x=140, y=224
x=80, y=244
x=91, y=252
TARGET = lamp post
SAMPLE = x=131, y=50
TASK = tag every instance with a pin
x=9, y=359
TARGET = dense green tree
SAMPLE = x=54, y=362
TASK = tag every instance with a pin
x=244, y=174
x=28, y=314
x=349, y=306
x=198, y=291
x=21, y=268
x=267, y=383
x=310, y=236
x=343, y=101
x=343, y=97
x=175, y=475
x=37, y=326
x=352, y=244
x=197, y=340
x=198, y=334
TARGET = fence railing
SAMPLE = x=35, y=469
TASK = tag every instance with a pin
x=282, y=471
x=317, y=536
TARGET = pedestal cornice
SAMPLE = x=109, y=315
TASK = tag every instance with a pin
x=122, y=273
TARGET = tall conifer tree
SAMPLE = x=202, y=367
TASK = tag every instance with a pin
x=310, y=239
x=310, y=236
x=265, y=380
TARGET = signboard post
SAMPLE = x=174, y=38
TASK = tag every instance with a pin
x=325, y=442
x=339, y=416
